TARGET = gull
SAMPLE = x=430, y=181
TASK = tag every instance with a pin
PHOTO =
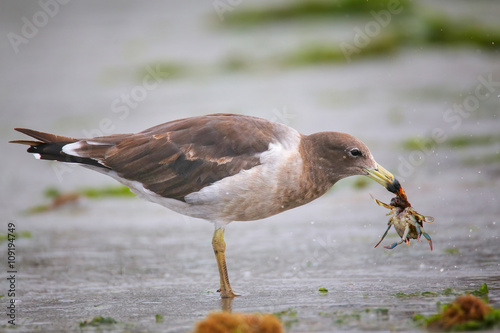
x=220, y=167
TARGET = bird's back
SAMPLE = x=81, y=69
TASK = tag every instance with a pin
x=229, y=164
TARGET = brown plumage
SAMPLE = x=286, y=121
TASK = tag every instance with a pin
x=171, y=159
x=220, y=167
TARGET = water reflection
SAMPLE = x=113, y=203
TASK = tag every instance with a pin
x=226, y=304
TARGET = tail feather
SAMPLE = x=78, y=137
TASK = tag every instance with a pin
x=50, y=147
x=45, y=137
x=26, y=142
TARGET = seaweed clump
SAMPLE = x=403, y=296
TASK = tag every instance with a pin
x=466, y=313
x=221, y=322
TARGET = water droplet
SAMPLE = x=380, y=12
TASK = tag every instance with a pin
x=441, y=270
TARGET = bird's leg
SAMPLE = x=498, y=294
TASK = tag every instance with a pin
x=219, y=249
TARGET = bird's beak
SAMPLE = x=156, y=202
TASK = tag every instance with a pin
x=384, y=178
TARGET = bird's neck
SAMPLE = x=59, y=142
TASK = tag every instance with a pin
x=316, y=178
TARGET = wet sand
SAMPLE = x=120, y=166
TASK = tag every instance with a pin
x=131, y=260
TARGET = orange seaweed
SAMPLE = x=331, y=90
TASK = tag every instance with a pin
x=225, y=322
x=465, y=308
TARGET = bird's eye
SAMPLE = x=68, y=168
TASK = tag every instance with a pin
x=355, y=152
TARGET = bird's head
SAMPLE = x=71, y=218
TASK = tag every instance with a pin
x=343, y=155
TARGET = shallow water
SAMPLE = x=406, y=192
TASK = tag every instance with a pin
x=131, y=260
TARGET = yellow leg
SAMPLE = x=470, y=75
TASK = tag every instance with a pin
x=219, y=249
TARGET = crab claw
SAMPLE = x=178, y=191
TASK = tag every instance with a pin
x=428, y=219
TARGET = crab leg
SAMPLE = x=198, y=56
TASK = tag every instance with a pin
x=393, y=245
x=404, y=238
x=405, y=235
x=416, y=224
x=380, y=203
x=385, y=233
x=419, y=231
x=428, y=219
x=428, y=238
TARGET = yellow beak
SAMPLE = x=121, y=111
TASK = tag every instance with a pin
x=384, y=178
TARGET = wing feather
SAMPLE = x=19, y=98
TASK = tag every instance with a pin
x=183, y=156
x=173, y=159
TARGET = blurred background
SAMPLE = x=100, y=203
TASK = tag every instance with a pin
x=417, y=81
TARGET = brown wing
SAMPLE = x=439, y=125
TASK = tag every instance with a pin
x=183, y=156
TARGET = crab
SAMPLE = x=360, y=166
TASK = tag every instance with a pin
x=407, y=222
